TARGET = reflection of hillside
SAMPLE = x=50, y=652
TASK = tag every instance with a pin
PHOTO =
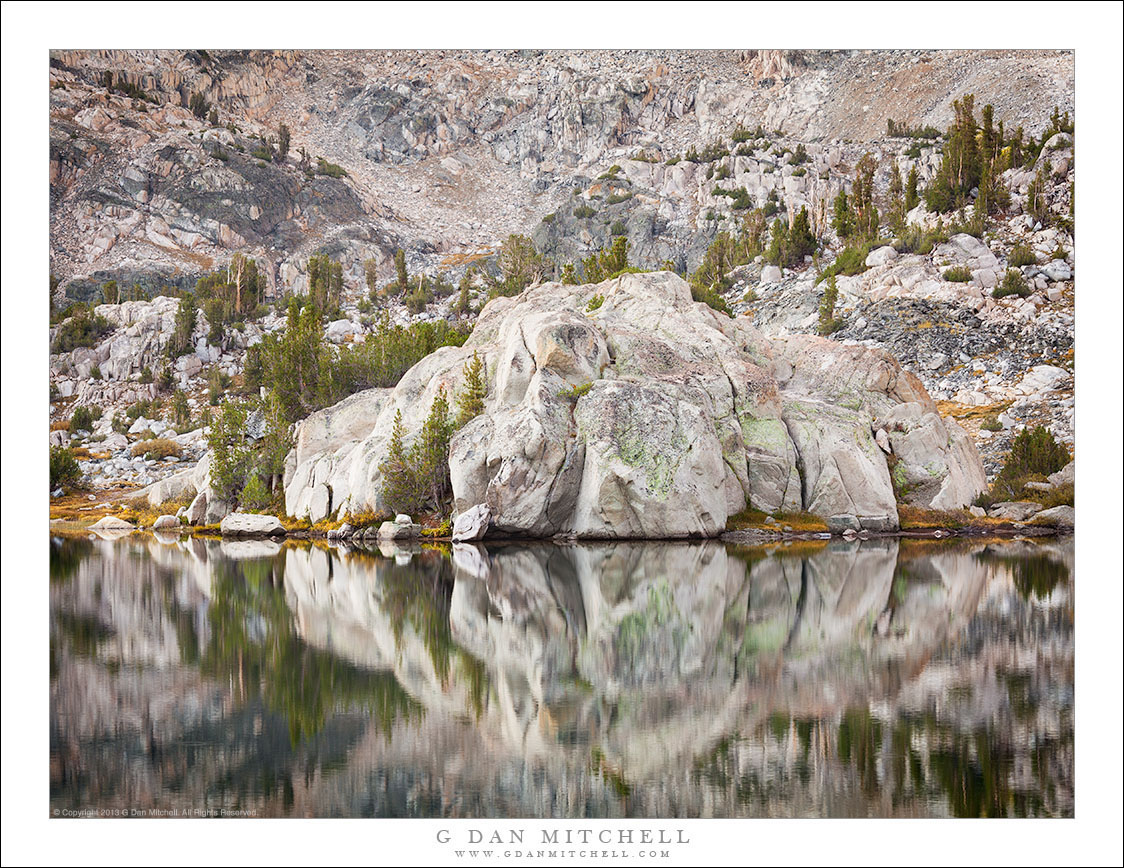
x=648, y=679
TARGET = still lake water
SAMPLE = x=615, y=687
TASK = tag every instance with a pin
x=882, y=679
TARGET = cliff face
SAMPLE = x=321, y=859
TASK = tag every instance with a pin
x=627, y=410
x=445, y=152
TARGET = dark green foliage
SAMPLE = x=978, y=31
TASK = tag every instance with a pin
x=843, y=216
x=912, y=197
x=828, y=324
x=618, y=228
x=895, y=130
x=330, y=170
x=1037, y=199
x=520, y=266
x=957, y=274
x=181, y=412
x=232, y=455
x=64, y=469
x=284, y=136
x=606, y=264
x=799, y=156
x=584, y=212
x=742, y=200
x=789, y=245
x=866, y=214
x=1035, y=454
x=895, y=214
x=83, y=328
x=110, y=294
x=470, y=400
x=198, y=105
x=1021, y=254
x=83, y=418
x=569, y=275
x=710, y=298
x=217, y=383
x=914, y=239
x=180, y=341
x=417, y=480
x=616, y=198
x=325, y=283
x=146, y=375
x=1013, y=283
x=851, y=260
x=262, y=152
x=594, y=303
x=402, y=276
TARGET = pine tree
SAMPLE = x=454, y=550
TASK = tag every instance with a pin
x=397, y=475
x=569, y=275
x=843, y=219
x=912, y=197
x=470, y=402
x=827, y=322
x=432, y=454
x=283, y=138
x=896, y=214
x=400, y=270
x=866, y=214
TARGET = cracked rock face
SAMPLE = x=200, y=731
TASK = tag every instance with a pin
x=650, y=416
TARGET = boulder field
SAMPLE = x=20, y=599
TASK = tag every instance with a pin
x=649, y=415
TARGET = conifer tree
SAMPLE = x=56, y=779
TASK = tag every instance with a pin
x=912, y=197
x=470, y=401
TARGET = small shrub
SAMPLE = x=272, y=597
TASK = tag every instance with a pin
x=95, y=372
x=330, y=170
x=957, y=274
x=991, y=423
x=1013, y=284
x=156, y=449
x=82, y=329
x=1020, y=255
x=828, y=323
x=584, y=212
x=595, y=303
x=83, y=418
x=575, y=392
x=618, y=228
x=146, y=375
x=850, y=261
x=64, y=469
x=617, y=198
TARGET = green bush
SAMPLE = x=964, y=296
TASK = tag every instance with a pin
x=1034, y=455
x=1020, y=255
x=83, y=328
x=1013, y=284
x=64, y=469
x=618, y=228
x=851, y=260
x=417, y=479
x=584, y=212
x=957, y=274
x=156, y=449
x=828, y=323
x=595, y=303
x=330, y=170
x=83, y=418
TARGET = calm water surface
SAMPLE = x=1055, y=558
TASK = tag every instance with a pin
x=662, y=680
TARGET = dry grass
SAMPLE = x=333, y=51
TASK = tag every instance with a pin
x=917, y=518
x=465, y=258
x=156, y=449
x=754, y=519
x=61, y=425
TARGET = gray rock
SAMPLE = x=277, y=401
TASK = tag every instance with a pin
x=395, y=530
x=249, y=524
x=1065, y=476
x=657, y=417
x=881, y=256
x=770, y=274
x=1014, y=510
x=472, y=524
x=1061, y=517
x=166, y=521
x=111, y=522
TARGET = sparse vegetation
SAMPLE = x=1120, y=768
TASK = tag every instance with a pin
x=957, y=274
x=1013, y=283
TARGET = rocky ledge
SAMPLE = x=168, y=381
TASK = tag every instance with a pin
x=627, y=410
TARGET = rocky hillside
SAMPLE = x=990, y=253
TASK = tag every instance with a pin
x=165, y=164
x=445, y=152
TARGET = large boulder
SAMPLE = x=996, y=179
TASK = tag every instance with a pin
x=250, y=524
x=650, y=416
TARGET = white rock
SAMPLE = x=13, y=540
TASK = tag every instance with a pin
x=249, y=524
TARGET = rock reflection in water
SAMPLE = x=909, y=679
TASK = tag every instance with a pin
x=677, y=679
